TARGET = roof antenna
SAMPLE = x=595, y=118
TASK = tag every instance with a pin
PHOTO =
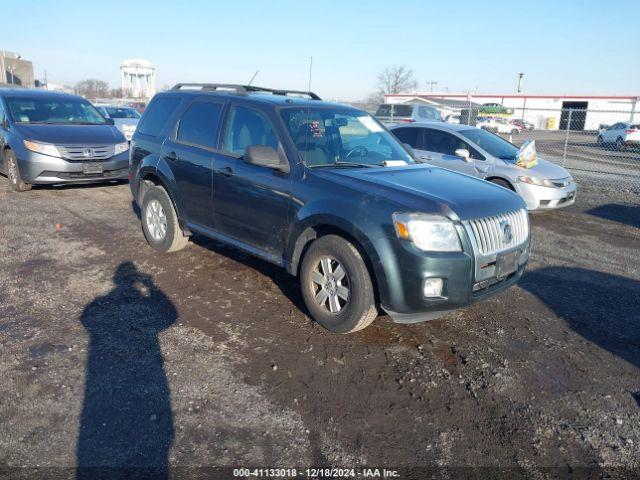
x=253, y=78
x=306, y=128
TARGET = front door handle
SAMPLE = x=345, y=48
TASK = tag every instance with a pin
x=172, y=156
x=227, y=172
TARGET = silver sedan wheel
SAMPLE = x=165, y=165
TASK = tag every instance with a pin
x=156, y=220
x=12, y=172
x=330, y=285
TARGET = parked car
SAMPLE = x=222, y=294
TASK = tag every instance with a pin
x=325, y=191
x=51, y=138
x=138, y=106
x=620, y=136
x=452, y=119
x=393, y=114
x=494, y=109
x=482, y=154
x=497, y=125
x=522, y=124
x=124, y=118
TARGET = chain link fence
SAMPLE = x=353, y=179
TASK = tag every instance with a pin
x=595, y=144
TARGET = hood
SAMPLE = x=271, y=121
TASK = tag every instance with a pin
x=121, y=122
x=71, y=134
x=423, y=188
x=546, y=169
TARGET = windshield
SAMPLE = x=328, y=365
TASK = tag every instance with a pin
x=121, y=112
x=333, y=136
x=493, y=144
x=53, y=110
x=388, y=110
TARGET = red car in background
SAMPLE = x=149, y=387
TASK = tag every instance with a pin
x=522, y=124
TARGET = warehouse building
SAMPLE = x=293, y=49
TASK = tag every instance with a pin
x=578, y=112
x=15, y=71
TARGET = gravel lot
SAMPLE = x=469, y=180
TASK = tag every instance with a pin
x=113, y=355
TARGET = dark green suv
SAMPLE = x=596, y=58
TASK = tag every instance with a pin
x=325, y=191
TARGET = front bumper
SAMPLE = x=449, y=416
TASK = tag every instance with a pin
x=39, y=169
x=540, y=198
x=467, y=279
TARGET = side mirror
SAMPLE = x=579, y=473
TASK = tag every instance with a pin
x=463, y=153
x=265, y=157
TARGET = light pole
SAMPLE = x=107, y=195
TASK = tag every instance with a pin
x=520, y=81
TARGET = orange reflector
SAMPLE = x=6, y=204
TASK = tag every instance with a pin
x=401, y=230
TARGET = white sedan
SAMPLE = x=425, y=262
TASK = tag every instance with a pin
x=497, y=125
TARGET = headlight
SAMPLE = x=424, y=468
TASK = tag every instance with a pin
x=541, y=182
x=43, y=148
x=121, y=147
x=430, y=233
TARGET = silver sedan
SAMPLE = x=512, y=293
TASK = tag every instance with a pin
x=482, y=154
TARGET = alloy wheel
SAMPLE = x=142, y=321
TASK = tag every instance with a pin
x=156, y=219
x=330, y=284
x=13, y=172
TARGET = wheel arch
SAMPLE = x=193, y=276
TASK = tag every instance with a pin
x=316, y=228
x=148, y=177
x=498, y=177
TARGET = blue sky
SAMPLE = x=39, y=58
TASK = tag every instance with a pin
x=562, y=46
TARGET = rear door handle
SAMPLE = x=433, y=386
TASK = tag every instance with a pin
x=227, y=172
x=172, y=156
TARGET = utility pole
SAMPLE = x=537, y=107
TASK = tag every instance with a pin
x=520, y=81
x=431, y=84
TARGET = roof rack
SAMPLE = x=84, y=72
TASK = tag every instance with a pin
x=241, y=89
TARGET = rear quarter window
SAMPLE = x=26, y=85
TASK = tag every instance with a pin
x=157, y=115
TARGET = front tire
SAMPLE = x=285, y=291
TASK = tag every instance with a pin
x=13, y=173
x=336, y=285
x=620, y=144
x=160, y=222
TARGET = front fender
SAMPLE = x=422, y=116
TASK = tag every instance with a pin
x=370, y=231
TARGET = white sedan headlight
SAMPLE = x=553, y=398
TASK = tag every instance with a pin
x=43, y=148
x=121, y=147
x=430, y=233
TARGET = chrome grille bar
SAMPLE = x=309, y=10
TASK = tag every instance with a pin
x=489, y=232
x=86, y=152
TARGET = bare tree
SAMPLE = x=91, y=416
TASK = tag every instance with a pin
x=92, y=88
x=395, y=79
x=116, y=93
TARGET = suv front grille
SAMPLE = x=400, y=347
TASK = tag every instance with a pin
x=86, y=152
x=492, y=234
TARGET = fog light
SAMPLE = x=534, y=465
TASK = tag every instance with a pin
x=433, y=287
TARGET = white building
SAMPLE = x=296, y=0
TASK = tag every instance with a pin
x=544, y=111
x=138, y=78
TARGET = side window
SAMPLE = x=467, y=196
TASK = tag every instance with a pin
x=247, y=127
x=409, y=135
x=443, y=142
x=199, y=124
x=426, y=112
x=2, y=115
x=157, y=115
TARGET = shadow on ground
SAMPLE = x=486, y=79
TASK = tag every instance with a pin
x=126, y=426
x=601, y=307
x=617, y=212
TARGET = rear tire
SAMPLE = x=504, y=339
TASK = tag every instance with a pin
x=13, y=173
x=620, y=144
x=160, y=222
x=515, y=131
x=336, y=285
x=503, y=183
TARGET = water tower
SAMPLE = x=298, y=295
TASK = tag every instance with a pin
x=138, y=78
